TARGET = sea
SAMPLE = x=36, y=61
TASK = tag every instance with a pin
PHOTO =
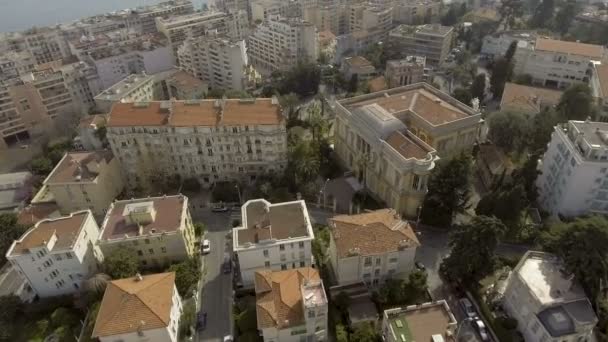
x=18, y=15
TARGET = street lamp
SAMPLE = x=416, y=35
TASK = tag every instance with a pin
x=322, y=192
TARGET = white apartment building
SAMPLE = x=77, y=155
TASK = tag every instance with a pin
x=291, y=305
x=391, y=139
x=559, y=64
x=432, y=41
x=14, y=64
x=402, y=72
x=56, y=255
x=547, y=303
x=333, y=17
x=83, y=180
x=371, y=247
x=272, y=237
x=280, y=43
x=416, y=12
x=133, y=88
x=141, y=308
x=143, y=19
x=220, y=62
x=359, y=66
x=177, y=29
x=599, y=89
x=433, y=321
x=159, y=229
x=573, y=179
x=367, y=17
x=45, y=44
x=262, y=9
x=211, y=140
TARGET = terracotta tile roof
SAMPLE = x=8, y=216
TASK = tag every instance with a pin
x=429, y=105
x=79, y=167
x=66, y=229
x=371, y=233
x=528, y=99
x=36, y=212
x=602, y=75
x=196, y=113
x=377, y=84
x=407, y=147
x=279, y=298
x=574, y=48
x=279, y=221
x=130, y=304
x=168, y=216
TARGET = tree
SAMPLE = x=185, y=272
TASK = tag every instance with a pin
x=101, y=133
x=448, y=191
x=463, y=95
x=524, y=79
x=121, y=263
x=304, y=162
x=290, y=103
x=576, y=102
x=453, y=14
x=191, y=185
x=96, y=285
x=12, y=307
x=581, y=244
x=502, y=70
x=509, y=10
x=10, y=231
x=541, y=128
x=565, y=16
x=510, y=53
x=41, y=166
x=416, y=284
x=543, y=14
x=505, y=202
x=187, y=274
x=472, y=249
x=353, y=83
x=508, y=130
x=199, y=229
x=303, y=80
x=341, y=333
x=478, y=88
x=365, y=332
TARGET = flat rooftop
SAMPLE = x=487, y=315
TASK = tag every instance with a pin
x=263, y=221
x=433, y=29
x=407, y=61
x=263, y=111
x=143, y=216
x=595, y=133
x=124, y=87
x=420, y=323
x=79, y=167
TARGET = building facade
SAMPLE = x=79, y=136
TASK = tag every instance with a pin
x=547, y=303
x=402, y=72
x=146, y=308
x=220, y=62
x=57, y=255
x=359, y=66
x=416, y=12
x=272, y=237
x=371, y=247
x=573, y=178
x=432, y=41
x=392, y=139
x=83, y=180
x=159, y=229
x=280, y=43
x=133, y=88
x=210, y=140
x=599, y=89
x=291, y=305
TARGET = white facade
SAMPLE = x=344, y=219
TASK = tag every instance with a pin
x=432, y=41
x=57, y=255
x=133, y=88
x=279, y=44
x=496, y=45
x=270, y=251
x=220, y=62
x=573, y=179
x=547, y=304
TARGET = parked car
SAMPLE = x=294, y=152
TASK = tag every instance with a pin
x=206, y=247
x=228, y=338
x=201, y=321
x=219, y=208
x=227, y=266
x=481, y=329
x=467, y=307
x=420, y=266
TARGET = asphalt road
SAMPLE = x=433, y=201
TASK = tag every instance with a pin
x=216, y=296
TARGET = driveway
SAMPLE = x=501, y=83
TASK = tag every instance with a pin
x=216, y=295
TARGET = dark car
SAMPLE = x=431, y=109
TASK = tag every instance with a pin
x=420, y=266
x=219, y=208
x=201, y=321
x=227, y=266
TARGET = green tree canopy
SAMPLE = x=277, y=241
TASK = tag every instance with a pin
x=448, y=191
x=478, y=88
x=341, y=333
x=121, y=263
x=506, y=203
x=502, y=70
x=508, y=130
x=365, y=332
x=565, y=16
x=543, y=14
x=187, y=274
x=12, y=307
x=576, y=102
x=463, y=95
x=41, y=166
x=10, y=231
x=473, y=246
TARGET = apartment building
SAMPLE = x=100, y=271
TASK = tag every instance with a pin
x=220, y=62
x=402, y=72
x=392, y=139
x=180, y=85
x=14, y=64
x=432, y=41
x=528, y=99
x=560, y=64
x=15, y=189
x=45, y=44
x=139, y=308
x=416, y=12
x=159, y=229
x=496, y=45
x=599, y=89
x=573, y=170
x=359, y=66
x=178, y=29
x=327, y=45
x=547, y=303
x=331, y=16
x=371, y=247
x=143, y=19
x=146, y=54
x=291, y=305
x=367, y=17
x=273, y=237
x=262, y=9
x=280, y=43
x=433, y=321
x=133, y=88
x=56, y=255
x=211, y=140
x=83, y=180
x=357, y=42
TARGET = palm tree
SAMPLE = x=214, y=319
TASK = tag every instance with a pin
x=96, y=285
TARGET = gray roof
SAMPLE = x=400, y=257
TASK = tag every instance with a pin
x=560, y=320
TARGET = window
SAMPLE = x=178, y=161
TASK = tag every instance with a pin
x=267, y=264
x=69, y=255
x=147, y=241
x=368, y=261
x=140, y=253
x=377, y=272
x=282, y=247
x=283, y=267
x=163, y=250
x=415, y=182
x=378, y=261
x=301, y=244
x=392, y=260
x=311, y=314
x=265, y=253
x=151, y=251
x=302, y=264
x=58, y=257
